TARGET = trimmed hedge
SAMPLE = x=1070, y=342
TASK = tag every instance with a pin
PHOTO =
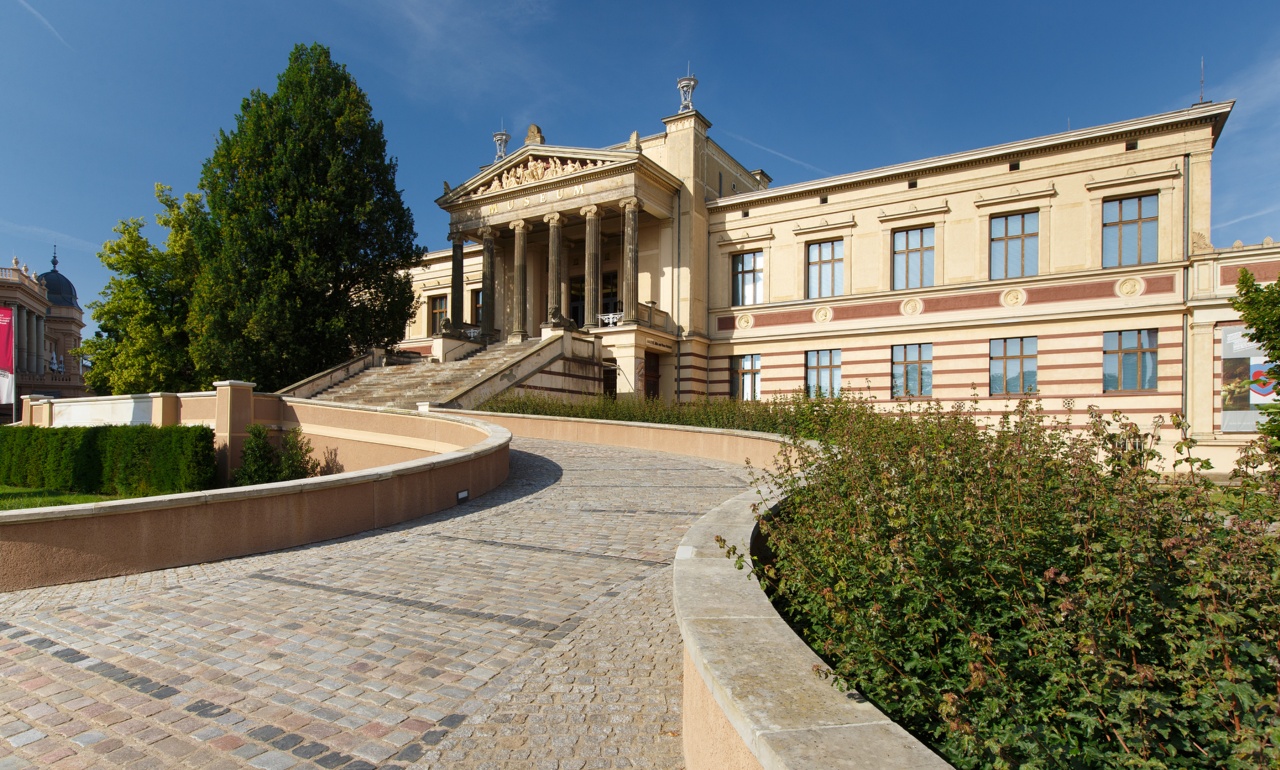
x=127, y=460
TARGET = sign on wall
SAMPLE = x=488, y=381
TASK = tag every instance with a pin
x=7, y=378
x=1245, y=384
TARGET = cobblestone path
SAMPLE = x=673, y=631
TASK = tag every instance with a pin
x=529, y=628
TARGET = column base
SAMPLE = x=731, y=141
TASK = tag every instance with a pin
x=517, y=337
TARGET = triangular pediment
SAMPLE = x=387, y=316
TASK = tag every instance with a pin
x=531, y=165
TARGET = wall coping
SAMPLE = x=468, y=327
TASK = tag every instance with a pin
x=760, y=673
x=751, y=434
x=498, y=437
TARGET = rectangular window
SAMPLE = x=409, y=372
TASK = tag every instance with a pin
x=826, y=269
x=913, y=258
x=1130, y=231
x=744, y=378
x=1015, y=245
x=477, y=306
x=748, y=278
x=439, y=309
x=822, y=372
x=1246, y=386
x=1013, y=366
x=1129, y=360
x=912, y=370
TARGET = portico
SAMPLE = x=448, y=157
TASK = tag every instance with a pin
x=569, y=238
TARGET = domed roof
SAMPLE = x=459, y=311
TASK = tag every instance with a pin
x=61, y=291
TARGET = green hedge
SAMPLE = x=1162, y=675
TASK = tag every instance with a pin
x=126, y=460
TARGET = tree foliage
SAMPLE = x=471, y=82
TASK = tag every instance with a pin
x=297, y=262
x=312, y=236
x=1259, y=308
x=143, y=344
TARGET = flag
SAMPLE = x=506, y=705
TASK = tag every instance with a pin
x=7, y=378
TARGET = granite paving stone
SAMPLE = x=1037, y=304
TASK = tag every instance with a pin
x=528, y=627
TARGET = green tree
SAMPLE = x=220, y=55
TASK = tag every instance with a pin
x=1259, y=308
x=309, y=240
x=142, y=344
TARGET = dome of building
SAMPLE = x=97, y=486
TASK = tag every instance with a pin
x=61, y=291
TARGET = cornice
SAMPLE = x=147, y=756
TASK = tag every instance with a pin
x=1200, y=114
x=1101, y=184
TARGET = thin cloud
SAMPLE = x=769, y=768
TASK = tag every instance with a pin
x=45, y=22
x=1247, y=217
x=34, y=233
x=796, y=161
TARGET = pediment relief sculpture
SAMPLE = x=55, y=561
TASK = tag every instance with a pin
x=534, y=170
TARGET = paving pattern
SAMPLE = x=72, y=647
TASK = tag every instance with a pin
x=529, y=628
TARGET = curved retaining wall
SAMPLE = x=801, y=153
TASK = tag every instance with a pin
x=46, y=546
x=751, y=696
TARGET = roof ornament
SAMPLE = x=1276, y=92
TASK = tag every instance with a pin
x=534, y=135
x=55, y=257
x=686, y=85
x=500, y=139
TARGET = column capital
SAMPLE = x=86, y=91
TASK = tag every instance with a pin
x=519, y=225
x=457, y=237
x=627, y=204
x=486, y=232
x=590, y=211
x=553, y=218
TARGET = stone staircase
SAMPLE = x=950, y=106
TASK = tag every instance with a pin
x=407, y=385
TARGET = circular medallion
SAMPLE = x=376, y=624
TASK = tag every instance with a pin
x=1130, y=287
x=822, y=314
x=912, y=307
x=1013, y=298
x=745, y=321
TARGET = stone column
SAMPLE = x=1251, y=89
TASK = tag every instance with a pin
x=456, y=308
x=520, y=302
x=233, y=413
x=591, y=312
x=39, y=347
x=630, y=260
x=19, y=338
x=488, y=301
x=555, y=269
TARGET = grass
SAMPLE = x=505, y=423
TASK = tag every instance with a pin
x=12, y=498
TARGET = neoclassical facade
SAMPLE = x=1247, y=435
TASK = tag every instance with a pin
x=1076, y=265
x=47, y=324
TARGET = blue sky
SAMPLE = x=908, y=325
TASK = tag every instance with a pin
x=99, y=101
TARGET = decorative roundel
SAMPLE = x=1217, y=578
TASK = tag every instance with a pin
x=912, y=307
x=1013, y=298
x=1130, y=287
x=745, y=321
x=822, y=314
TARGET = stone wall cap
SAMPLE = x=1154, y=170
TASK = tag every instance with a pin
x=229, y=383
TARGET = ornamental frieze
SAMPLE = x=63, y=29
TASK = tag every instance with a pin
x=535, y=170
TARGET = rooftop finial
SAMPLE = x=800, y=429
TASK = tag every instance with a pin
x=55, y=257
x=500, y=139
x=686, y=85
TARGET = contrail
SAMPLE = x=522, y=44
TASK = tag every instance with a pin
x=780, y=155
x=44, y=21
x=1270, y=210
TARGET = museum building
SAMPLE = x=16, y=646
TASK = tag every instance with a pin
x=47, y=322
x=1076, y=266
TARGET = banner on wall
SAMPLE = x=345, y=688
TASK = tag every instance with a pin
x=8, y=384
x=1245, y=383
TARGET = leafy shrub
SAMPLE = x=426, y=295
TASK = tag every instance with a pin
x=262, y=463
x=1026, y=595
x=110, y=459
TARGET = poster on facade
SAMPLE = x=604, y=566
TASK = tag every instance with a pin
x=8, y=385
x=1245, y=383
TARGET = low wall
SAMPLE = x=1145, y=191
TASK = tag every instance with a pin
x=751, y=698
x=449, y=457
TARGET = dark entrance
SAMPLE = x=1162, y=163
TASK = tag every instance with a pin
x=578, y=297
x=651, y=375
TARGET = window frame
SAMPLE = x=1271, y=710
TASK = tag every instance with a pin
x=832, y=269
x=1140, y=353
x=737, y=372
x=907, y=251
x=437, y=311
x=1119, y=228
x=1022, y=357
x=738, y=276
x=900, y=370
x=1005, y=239
x=818, y=374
